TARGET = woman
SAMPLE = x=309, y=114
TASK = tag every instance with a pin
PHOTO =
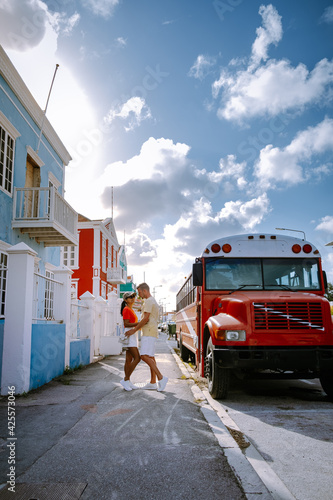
x=132, y=351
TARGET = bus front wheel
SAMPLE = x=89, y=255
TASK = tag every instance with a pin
x=218, y=378
x=326, y=380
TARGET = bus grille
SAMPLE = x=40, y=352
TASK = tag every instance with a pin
x=288, y=316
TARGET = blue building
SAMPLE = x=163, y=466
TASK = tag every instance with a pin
x=32, y=205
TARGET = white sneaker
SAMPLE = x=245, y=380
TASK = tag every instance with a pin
x=150, y=386
x=162, y=383
x=126, y=385
x=133, y=386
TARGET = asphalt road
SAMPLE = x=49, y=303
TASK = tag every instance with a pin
x=290, y=423
x=286, y=428
x=83, y=436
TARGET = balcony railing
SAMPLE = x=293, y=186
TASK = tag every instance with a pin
x=116, y=275
x=45, y=215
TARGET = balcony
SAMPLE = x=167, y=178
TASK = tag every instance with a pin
x=45, y=215
x=116, y=275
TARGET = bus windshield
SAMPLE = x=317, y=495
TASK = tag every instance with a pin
x=262, y=274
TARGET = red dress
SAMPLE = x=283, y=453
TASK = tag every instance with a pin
x=129, y=314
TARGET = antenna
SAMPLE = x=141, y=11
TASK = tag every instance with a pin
x=295, y=230
x=47, y=102
x=112, y=202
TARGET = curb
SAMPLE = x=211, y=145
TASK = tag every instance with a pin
x=256, y=477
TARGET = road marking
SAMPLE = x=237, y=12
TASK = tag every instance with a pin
x=127, y=420
x=111, y=369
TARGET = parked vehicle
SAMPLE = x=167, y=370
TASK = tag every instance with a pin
x=254, y=306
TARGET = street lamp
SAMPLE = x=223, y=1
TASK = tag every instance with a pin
x=154, y=289
x=296, y=230
x=162, y=305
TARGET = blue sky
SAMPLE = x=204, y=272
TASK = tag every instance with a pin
x=209, y=118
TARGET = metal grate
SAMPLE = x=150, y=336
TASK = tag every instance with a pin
x=288, y=316
x=44, y=491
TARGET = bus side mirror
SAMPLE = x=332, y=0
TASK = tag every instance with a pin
x=325, y=281
x=197, y=274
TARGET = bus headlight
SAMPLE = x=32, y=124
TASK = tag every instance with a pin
x=231, y=335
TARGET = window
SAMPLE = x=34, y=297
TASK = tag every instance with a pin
x=7, y=144
x=230, y=274
x=294, y=274
x=110, y=254
x=49, y=295
x=267, y=274
x=186, y=294
x=103, y=254
x=3, y=281
x=69, y=256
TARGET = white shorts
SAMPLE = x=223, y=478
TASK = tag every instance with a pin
x=132, y=339
x=148, y=346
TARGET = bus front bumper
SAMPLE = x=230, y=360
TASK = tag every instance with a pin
x=275, y=358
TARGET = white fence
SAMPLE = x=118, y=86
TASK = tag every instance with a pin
x=97, y=319
x=76, y=313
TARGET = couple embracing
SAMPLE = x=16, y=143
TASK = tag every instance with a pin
x=148, y=325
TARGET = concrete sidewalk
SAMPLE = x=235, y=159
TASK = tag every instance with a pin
x=85, y=437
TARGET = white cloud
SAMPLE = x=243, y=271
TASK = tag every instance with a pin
x=326, y=224
x=290, y=164
x=272, y=89
x=121, y=42
x=270, y=32
x=67, y=24
x=230, y=169
x=22, y=23
x=163, y=184
x=327, y=16
x=269, y=86
x=140, y=249
x=249, y=214
x=156, y=158
x=133, y=111
x=200, y=225
x=103, y=8
x=201, y=67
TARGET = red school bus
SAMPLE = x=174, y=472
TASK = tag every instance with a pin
x=254, y=305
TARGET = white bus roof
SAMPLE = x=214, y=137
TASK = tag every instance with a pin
x=260, y=245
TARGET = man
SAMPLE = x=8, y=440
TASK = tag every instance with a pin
x=148, y=325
